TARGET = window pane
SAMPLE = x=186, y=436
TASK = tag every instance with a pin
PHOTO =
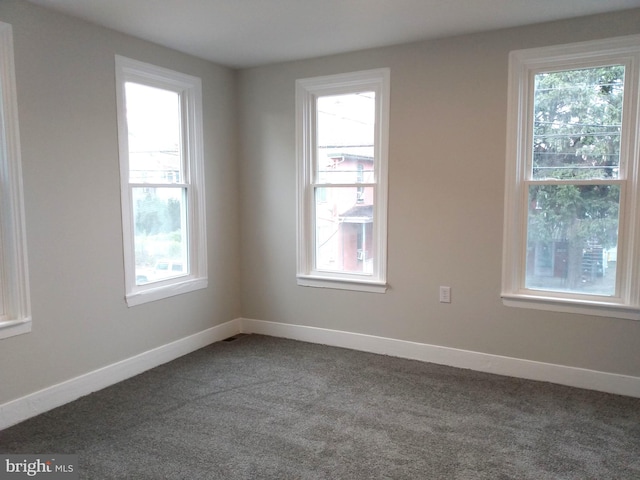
x=345, y=138
x=160, y=233
x=577, y=123
x=344, y=229
x=572, y=238
x=153, y=121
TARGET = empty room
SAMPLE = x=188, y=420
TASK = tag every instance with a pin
x=332, y=239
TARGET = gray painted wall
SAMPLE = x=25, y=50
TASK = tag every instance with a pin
x=446, y=170
x=447, y=142
x=66, y=102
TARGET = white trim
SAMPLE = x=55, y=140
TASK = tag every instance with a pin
x=523, y=64
x=342, y=284
x=159, y=292
x=306, y=93
x=599, y=309
x=54, y=396
x=453, y=357
x=190, y=90
x=20, y=409
x=14, y=273
x=10, y=328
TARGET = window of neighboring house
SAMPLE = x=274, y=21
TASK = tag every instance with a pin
x=360, y=179
x=572, y=219
x=342, y=129
x=15, y=308
x=162, y=181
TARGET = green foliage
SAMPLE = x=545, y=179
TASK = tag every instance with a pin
x=173, y=214
x=579, y=213
x=158, y=229
x=577, y=123
x=154, y=215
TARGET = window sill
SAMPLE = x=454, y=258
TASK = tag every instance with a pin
x=342, y=284
x=597, y=308
x=11, y=328
x=152, y=292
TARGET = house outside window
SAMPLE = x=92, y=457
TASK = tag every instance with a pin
x=342, y=129
x=15, y=306
x=162, y=181
x=571, y=238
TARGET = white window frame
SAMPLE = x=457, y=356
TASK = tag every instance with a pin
x=15, y=305
x=523, y=66
x=307, y=92
x=190, y=90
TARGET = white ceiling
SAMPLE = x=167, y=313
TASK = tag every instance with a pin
x=244, y=33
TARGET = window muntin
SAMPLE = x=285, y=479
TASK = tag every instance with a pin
x=572, y=161
x=345, y=133
x=15, y=305
x=160, y=122
x=342, y=138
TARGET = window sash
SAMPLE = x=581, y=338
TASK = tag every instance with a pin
x=162, y=94
x=614, y=297
x=180, y=248
x=351, y=270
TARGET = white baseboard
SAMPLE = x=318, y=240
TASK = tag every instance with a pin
x=54, y=396
x=483, y=362
x=46, y=399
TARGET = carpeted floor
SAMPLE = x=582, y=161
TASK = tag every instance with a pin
x=265, y=408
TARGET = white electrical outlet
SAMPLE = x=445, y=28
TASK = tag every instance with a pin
x=445, y=294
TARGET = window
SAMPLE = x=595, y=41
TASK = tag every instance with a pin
x=572, y=219
x=162, y=181
x=342, y=127
x=15, y=308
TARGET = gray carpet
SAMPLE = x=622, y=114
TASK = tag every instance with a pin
x=261, y=407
